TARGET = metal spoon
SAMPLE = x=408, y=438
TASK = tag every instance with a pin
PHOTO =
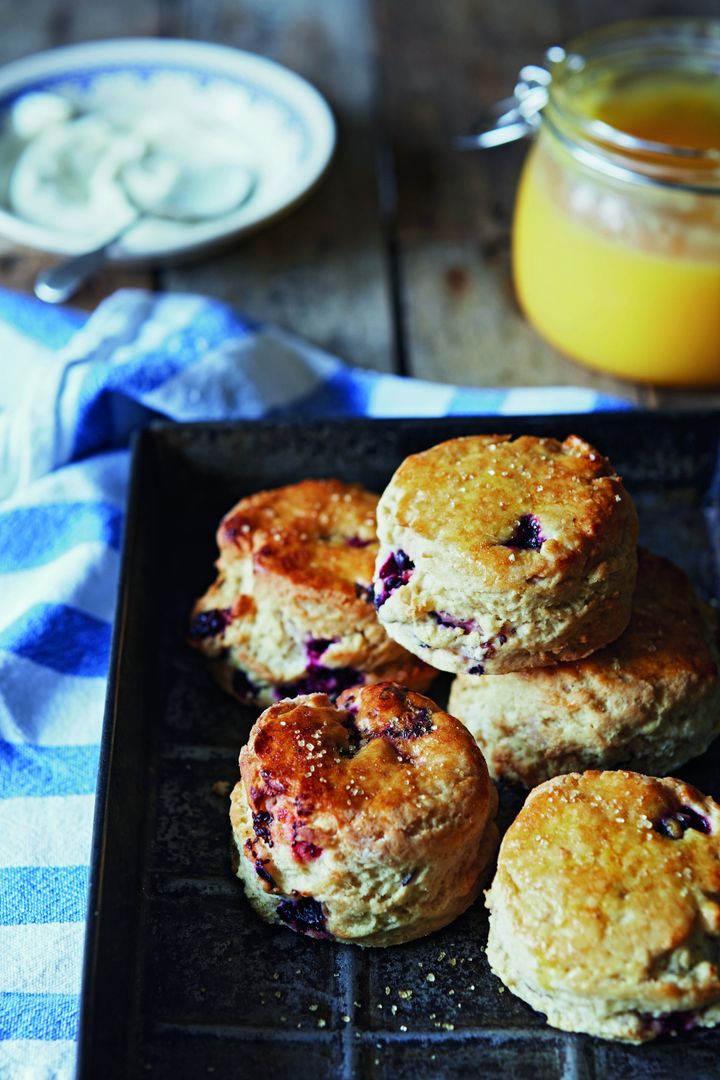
x=58, y=283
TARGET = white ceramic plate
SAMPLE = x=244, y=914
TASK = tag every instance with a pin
x=283, y=123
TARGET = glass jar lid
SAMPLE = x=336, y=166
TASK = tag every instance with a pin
x=586, y=93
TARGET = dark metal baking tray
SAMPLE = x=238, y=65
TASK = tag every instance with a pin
x=181, y=979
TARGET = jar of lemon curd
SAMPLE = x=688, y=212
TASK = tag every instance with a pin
x=616, y=236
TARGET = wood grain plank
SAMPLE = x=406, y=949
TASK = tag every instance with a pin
x=439, y=64
x=321, y=271
x=587, y=14
x=45, y=24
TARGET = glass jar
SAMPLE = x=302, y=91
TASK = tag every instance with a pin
x=616, y=236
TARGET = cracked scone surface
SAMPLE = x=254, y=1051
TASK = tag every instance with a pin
x=499, y=554
x=291, y=610
x=605, y=911
x=369, y=822
x=649, y=701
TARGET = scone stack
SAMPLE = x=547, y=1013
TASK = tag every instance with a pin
x=514, y=565
x=649, y=700
x=365, y=814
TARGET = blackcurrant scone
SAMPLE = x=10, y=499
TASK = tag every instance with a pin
x=605, y=907
x=500, y=554
x=369, y=821
x=291, y=611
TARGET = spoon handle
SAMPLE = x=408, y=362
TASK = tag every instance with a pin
x=58, y=283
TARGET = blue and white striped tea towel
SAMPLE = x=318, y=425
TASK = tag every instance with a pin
x=71, y=391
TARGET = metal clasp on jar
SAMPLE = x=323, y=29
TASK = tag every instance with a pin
x=514, y=117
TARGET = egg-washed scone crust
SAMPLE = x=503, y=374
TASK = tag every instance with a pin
x=370, y=821
x=291, y=610
x=499, y=554
x=605, y=908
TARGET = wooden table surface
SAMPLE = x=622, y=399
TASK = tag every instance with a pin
x=400, y=260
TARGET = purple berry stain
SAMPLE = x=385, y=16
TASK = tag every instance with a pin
x=394, y=572
x=264, y=874
x=319, y=679
x=492, y=645
x=410, y=725
x=489, y=648
x=322, y=680
x=305, y=915
x=527, y=534
x=261, y=825
x=674, y=825
x=315, y=647
x=209, y=623
x=674, y=1023
x=273, y=786
x=305, y=850
x=364, y=592
x=357, y=542
x=444, y=618
x=354, y=736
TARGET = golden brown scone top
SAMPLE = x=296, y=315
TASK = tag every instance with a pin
x=385, y=767
x=533, y=502
x=608, y=875
x=319, y=534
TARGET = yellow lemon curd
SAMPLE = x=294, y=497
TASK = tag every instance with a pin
x=624, y=276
